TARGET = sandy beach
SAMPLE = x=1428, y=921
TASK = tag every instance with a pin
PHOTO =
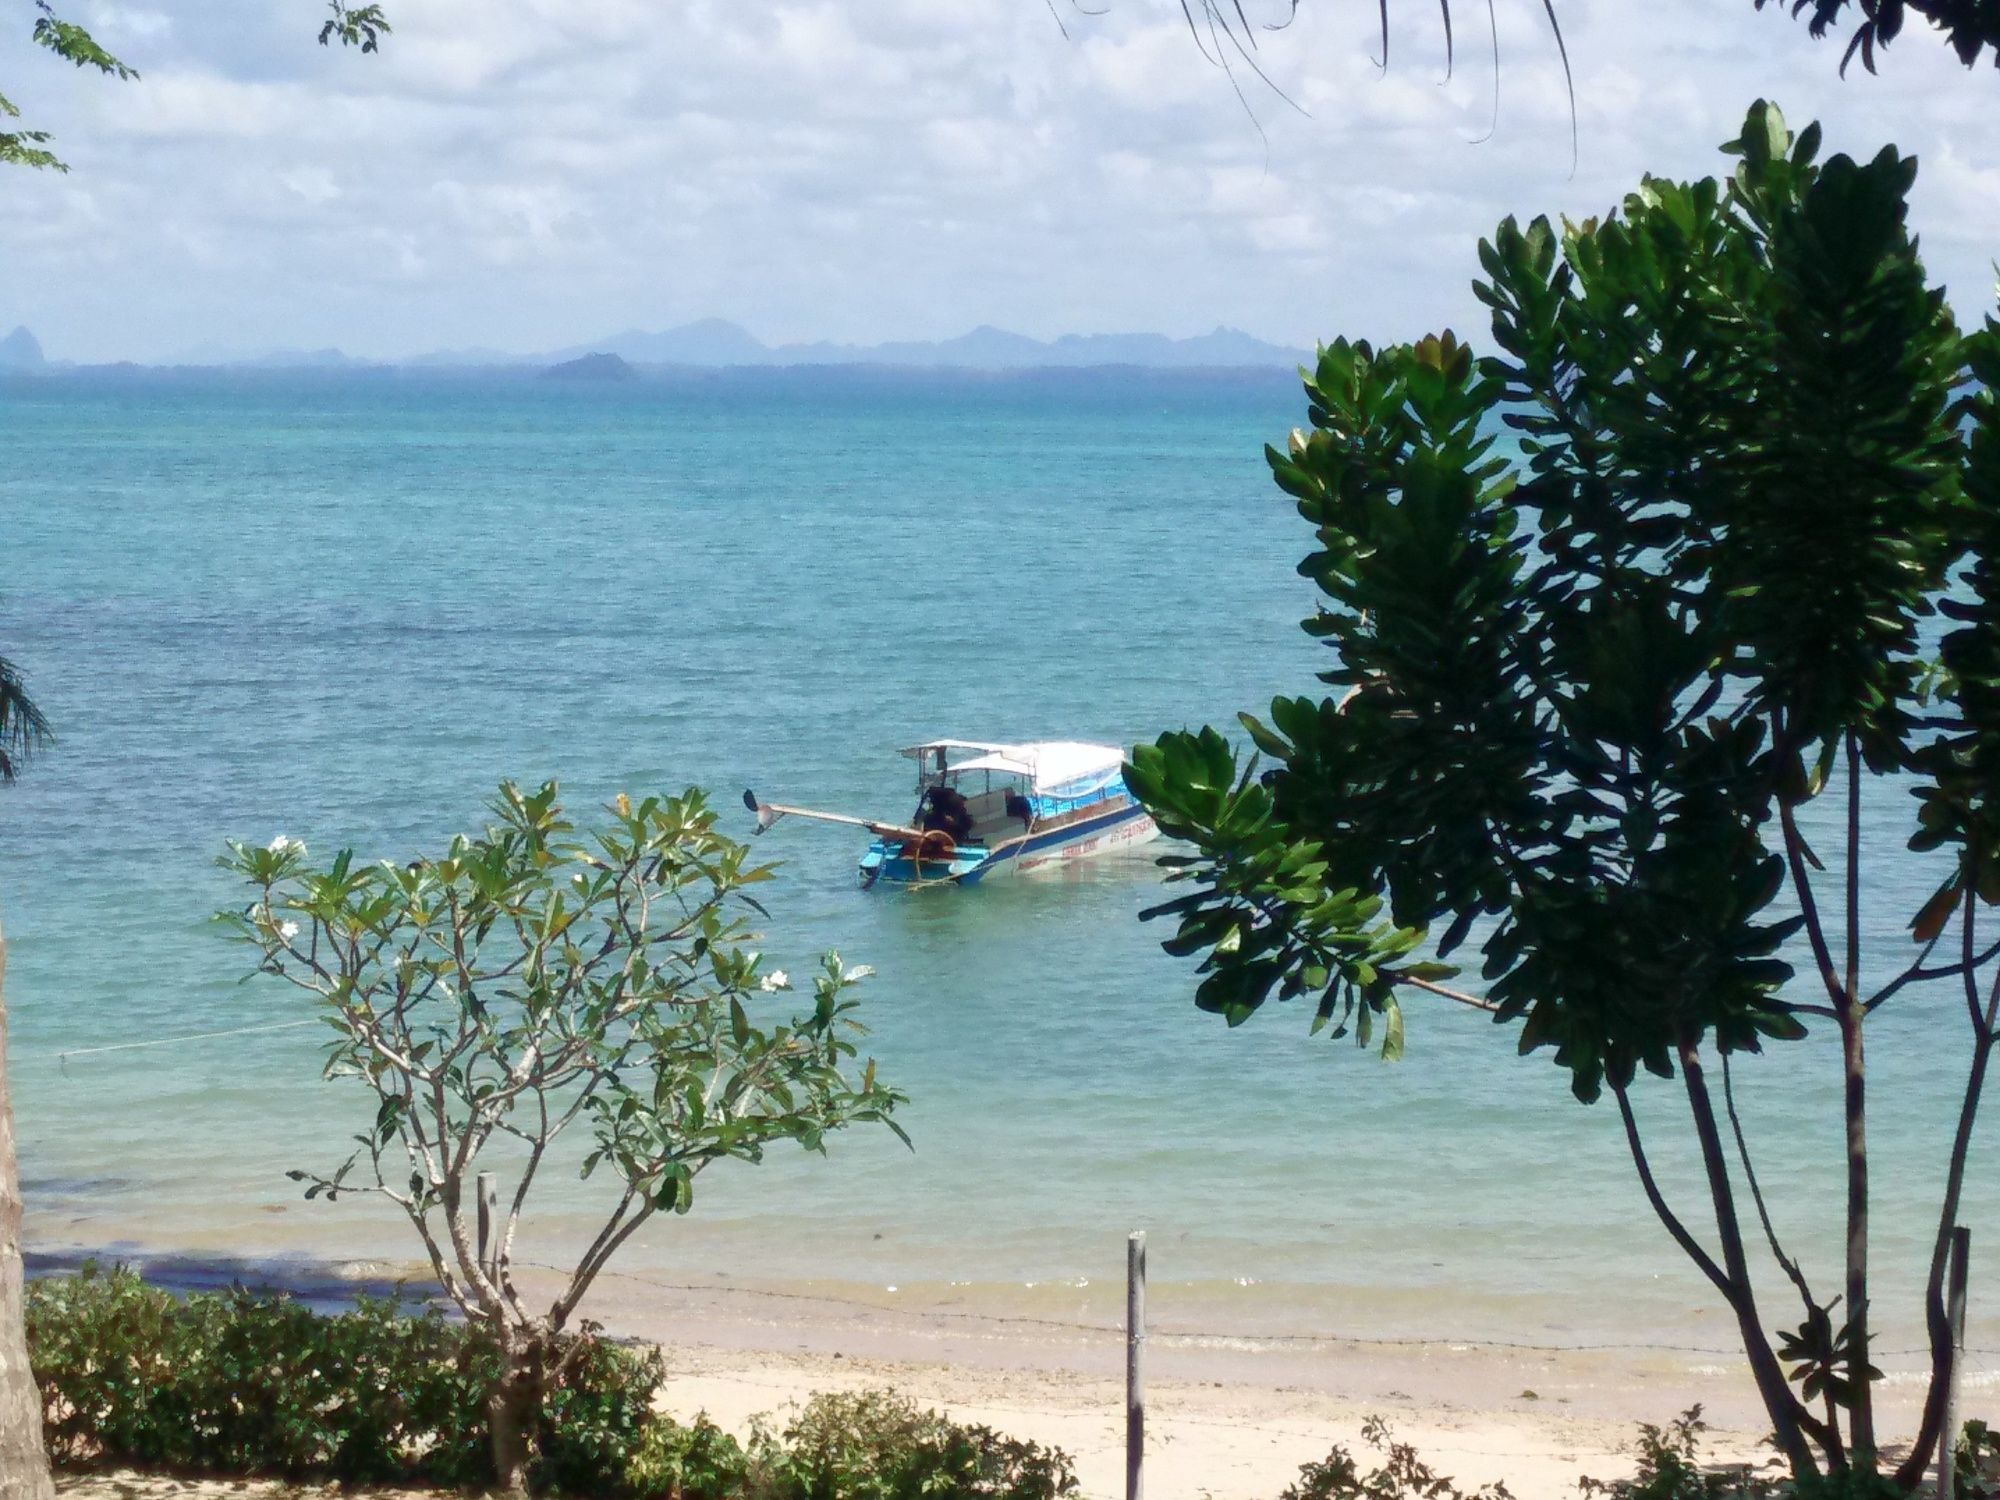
x=1240, y=1435
x=1227, y=1418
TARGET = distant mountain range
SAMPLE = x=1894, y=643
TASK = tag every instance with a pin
x=714, y=343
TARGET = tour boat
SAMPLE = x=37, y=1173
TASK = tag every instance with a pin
x=986, y=810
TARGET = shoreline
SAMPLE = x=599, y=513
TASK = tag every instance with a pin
x=1229, y=1417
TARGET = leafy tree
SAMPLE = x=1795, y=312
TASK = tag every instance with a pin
x=1743, y=557
x=361, y=26
x=530, y=980
x=1224, y=28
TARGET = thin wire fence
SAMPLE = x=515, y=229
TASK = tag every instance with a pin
x=1199, y=1335
x=1184, y=1335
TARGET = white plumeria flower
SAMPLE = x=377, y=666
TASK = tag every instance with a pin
x=279, y=844
x=776, y=980
x=287, y=931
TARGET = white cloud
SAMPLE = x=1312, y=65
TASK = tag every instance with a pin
x=527, y=173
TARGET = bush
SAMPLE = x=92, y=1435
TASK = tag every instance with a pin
x=1671, y=1468
x=239, y=1382
x=1401, y=1476
x=701, y=1462
x=876, y=1445
x=243, y=1383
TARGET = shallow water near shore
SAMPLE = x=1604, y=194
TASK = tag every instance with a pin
x=343, y=609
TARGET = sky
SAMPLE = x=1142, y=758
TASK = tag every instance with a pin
x=522, y=175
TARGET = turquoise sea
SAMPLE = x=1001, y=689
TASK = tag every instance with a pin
x=342, y=609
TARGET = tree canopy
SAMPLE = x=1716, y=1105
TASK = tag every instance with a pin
x=1970, y=27
x=1712, y=536
x=1222, y=29
x=361, y=26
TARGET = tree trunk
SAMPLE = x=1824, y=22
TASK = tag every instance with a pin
x=1910, y=1474
x=24, y=1462
x=1861, y=1424
x=511, y=1412
x=1862, y=1417
x=1785, y=1411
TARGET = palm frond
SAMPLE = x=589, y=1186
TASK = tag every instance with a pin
x=23, y=729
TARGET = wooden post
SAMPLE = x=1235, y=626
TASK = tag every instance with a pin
x=1135, y=1374
x=489, y=1215
x=1954, y=1311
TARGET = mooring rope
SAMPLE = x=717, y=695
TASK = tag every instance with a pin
x=174, y=1041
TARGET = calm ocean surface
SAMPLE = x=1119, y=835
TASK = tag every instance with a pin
x=343, y=609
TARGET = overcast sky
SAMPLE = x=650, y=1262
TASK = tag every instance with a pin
x=523, y=174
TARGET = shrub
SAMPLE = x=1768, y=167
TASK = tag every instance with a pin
x=1670, y=1468
x=1978, y=1461
x=876, y=1445
x=698, y=1462
x=239, y=1382
x=1401, y=1476
x=595, y=1423
x=243, y=1383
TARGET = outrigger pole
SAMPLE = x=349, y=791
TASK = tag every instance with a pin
x=769, y=813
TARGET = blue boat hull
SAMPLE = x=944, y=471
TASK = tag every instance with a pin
x=1117, y=826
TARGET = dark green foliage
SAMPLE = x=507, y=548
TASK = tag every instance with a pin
x=239, y=1383
x=1744, y=547
x=72, y=43
x=1971, y=26
x=1401, y=1475
x=23, y=730
x=1978, y=1462
x=1670, y=1468
x=29, y=148
x=876, y=1445
x=361, y=26
x=25, y=148
x=595, y=1423
x=1574, y=686
x=1824, y=1359
x=695, y=1462
x=242, y=1383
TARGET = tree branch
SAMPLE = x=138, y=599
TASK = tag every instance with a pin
x=1675, y=1227
x=1789, y=1417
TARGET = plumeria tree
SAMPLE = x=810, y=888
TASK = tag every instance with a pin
x=1739, y=568
x=533, y=981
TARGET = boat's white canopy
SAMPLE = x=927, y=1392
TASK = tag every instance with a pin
x=1048, y=766
x=918, y=752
